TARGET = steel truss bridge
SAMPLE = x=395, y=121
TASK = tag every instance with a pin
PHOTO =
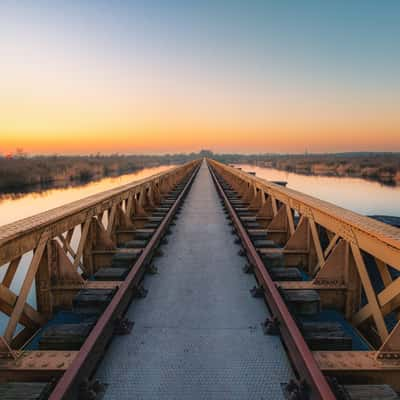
x=202, y=282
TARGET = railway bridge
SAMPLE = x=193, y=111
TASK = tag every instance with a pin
x=202, y=282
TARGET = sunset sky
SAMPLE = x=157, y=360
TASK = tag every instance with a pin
x=171, y=76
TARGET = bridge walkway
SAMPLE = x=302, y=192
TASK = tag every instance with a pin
x=197, y=334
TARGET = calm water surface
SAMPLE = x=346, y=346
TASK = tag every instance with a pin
x=18, y=206
x=359, y=195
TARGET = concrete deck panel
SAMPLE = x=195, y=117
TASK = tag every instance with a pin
x=197, y=334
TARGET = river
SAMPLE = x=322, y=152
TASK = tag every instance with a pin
x=14, y=207
x=356, y=194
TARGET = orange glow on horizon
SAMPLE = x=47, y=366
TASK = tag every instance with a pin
x=193, y=138
x=54, y=122
x=51, y=118
x=145, y=79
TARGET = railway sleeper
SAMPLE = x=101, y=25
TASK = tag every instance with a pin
x=273, y=259
x=92, y=301
x=124, y=259
x=160, y=214
x=245, y=213
x=325, y=335
x=65, y=336
x=124, y=235
x=368, y=392
x=25, y=390
x=252, y=225
x=111, y=274
x=264, y=244
x=284, y=274
x=135, y=244
x=167, y=202
x=302, y=301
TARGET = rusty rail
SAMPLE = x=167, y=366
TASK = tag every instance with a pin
x=82, y=366
x=298, y=350
x=17, y=238
x=351, y=261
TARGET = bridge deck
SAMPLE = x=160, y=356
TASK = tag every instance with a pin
x=197, y=334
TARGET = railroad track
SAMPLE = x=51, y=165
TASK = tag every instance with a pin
x=59, y=360
x=297, y=314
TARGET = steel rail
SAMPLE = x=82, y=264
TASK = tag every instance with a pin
x=299, y=353
x=92, y=350
x=374, y=237
x=22, y=236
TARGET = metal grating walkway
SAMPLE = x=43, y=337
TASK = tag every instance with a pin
x=197, y=334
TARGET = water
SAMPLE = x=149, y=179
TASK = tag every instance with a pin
x=359, y=195
x=14, y=207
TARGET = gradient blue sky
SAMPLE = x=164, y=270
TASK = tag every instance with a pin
x=161, y=76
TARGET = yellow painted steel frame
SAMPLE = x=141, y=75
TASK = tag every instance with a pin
x=338, y=268
x=58, y=269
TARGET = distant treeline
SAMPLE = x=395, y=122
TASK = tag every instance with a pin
x=383, y=167
x=22, y=170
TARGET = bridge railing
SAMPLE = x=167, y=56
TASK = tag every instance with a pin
x=353, y=260
x=53, y=253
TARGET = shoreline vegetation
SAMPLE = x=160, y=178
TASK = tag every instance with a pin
x=380, y=167
x=22, y=173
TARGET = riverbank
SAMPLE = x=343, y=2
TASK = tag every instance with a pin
x=380, y=167
x=364, y=196
x=15, y=206
x=24, y=174
x=380, y=172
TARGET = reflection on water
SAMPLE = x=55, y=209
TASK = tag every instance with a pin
x=359, y=195
x=17, y=206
